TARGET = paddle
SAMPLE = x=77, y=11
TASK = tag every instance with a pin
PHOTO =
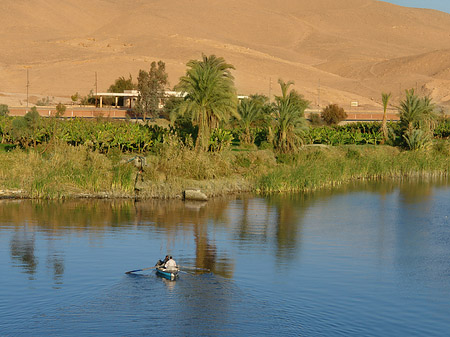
x=194, y=268
x=132, y=271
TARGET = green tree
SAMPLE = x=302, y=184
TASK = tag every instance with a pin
x=120, y=85
x=75, y=97
x=252, y=111
x=333, y=114
x=60, y=110
x=24, y=129
x=289, y=121
x=210, y=95
x=417, y=120
x=4, y=110
x=385, y=99
x=89, y=99
x=151, y=86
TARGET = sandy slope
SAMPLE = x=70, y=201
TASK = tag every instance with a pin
x=335, y=51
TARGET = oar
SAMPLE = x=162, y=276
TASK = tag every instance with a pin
x=194, y=268
x=132, y=271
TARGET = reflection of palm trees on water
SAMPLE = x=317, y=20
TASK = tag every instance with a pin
x=22, y=251
x=252, y=219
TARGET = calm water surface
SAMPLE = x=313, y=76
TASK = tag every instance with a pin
x=367, y=260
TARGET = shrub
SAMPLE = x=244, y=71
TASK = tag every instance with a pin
x=60, y=110
x=417, y=139
x=353, y=154
x=442, y=130
x=442, y=147
x=333, y=114
x=43, y=102
x=315, y=119
x=220, y=140
x=4, y=111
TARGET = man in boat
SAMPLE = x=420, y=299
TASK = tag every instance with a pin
x=170, y=264
x=163, y=262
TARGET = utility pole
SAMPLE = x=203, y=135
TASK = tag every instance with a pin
x=28, y=84
x=318, y=96
x=270, y=88
x=96, y=89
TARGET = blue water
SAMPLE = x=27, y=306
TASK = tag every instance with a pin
x=369, y=260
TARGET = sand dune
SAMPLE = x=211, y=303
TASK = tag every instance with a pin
x=335, y=51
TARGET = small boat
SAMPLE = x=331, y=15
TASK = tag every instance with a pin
x=170, y=274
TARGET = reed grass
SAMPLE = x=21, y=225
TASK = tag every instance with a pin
x=64, y=171
x=320, y=168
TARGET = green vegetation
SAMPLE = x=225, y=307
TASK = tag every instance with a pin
x=215, y=143
x=210, y=95
x=333, y=114
x=4, y=110
x=418, y=120
x=385, y=99
x=69, y=171
x=253, y=112
x=60, y=110
x=120, y=85
x=151, y=86
x=289, y=121
x=318, y=168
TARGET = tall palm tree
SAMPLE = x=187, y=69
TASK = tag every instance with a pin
x=210, y=95
x=417, y=119
x=416, y=112
x=289, y=110
x=385, y=98
x=252, y=111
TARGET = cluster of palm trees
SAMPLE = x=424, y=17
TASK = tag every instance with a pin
x=211, y=101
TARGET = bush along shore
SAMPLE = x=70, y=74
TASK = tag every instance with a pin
x=215, y=143
x=65, y=171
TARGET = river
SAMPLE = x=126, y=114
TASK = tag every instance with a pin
x=368, y=259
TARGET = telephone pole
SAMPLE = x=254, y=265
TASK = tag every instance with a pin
x=318, y=95
x=28, y=84
x=96, y=89
x=270, y=88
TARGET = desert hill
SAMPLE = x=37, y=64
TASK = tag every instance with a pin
x=335, y=51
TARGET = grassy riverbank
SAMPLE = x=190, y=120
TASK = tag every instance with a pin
x=65, y=171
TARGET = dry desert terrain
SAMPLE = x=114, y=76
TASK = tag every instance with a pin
x=334, y=51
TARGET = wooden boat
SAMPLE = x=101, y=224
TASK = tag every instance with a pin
x=169, y=274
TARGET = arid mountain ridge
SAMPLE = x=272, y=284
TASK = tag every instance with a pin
x=334, y=51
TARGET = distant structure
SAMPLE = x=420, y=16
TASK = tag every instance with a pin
x=130, y=97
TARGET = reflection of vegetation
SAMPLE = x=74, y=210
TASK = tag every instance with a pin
x=289, y=217
x=22, y=251
x=276, y=220
x=56, y=264
x=420, y=194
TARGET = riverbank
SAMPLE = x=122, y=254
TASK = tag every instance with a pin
x=65, y=171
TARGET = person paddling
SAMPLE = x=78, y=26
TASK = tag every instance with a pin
x=163, y=262
x=170, y=264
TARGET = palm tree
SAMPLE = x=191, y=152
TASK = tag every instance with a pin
x=417, y=120
x=210, y=95
x=252, y=111
x=289, y=109
x=385, y=98
x=416, y=112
